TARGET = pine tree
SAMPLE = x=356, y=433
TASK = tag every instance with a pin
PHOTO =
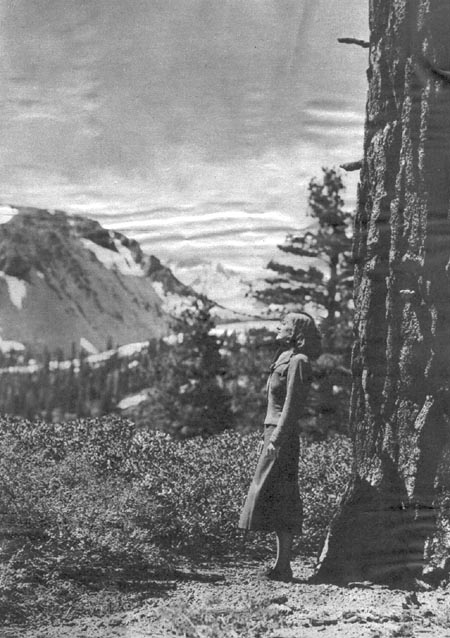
x=393, y=520
x=319, y=279
x=326, y=286
x=189, y=396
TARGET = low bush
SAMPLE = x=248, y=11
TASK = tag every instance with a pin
x=79, y=500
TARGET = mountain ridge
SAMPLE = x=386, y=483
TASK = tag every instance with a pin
x=64, y=278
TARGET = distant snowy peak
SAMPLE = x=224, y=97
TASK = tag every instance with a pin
x=221, y=284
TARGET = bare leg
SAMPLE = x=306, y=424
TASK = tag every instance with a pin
x=284, y=550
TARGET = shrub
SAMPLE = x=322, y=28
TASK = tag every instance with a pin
x=195, y=489
x=87, y=482
x=98, y=495
x=324, y=471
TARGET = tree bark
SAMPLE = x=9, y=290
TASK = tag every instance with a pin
x=393, y=521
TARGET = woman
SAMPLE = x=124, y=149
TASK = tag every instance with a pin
x=273, y=502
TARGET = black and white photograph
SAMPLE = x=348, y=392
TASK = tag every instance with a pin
x=224, y=318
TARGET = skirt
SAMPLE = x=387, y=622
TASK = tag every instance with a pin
x=273, y=502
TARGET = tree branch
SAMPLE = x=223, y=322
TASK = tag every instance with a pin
x=443, y=74
x=300, y=252
x=360, y=43
x=352, y=166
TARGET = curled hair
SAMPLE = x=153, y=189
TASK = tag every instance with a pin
x=306, y=337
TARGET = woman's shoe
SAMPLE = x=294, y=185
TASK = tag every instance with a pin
x=284, y=576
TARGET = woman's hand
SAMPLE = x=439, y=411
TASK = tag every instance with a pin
x=271, y=451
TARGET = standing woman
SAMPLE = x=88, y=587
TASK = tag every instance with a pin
x=273, y=502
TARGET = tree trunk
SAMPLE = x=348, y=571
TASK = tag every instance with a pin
x=393, y=521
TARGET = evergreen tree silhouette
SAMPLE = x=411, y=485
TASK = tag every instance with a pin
x=327, y=285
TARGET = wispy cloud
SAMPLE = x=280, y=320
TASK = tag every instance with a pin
x=114, y=107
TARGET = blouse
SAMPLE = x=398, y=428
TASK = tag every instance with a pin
x=287, y=390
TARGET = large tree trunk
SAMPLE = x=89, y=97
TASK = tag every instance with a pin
x=392, y=522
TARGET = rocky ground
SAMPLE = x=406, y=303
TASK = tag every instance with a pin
x=232, y=601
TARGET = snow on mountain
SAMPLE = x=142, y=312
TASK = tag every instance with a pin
x=17, y=289
x=11, y=346
x=87, y=346
x=173, y=303
x=221, y=284
x=121, y=260
x=67, y=280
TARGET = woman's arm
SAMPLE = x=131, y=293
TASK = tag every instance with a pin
x=297, y=384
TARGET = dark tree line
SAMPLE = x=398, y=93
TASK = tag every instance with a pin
x=200, y=384
x=55, y=389
x=184, y=384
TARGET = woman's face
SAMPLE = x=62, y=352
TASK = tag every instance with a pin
x=285, y=331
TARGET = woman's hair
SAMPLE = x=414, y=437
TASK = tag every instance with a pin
x=306, y=337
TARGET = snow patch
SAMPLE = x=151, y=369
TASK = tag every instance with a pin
x=172, y=303
x=29, y=369
x=159, y=289
x=6, y=212
x=173, y=339
x=17, y=289
x=130, y=349
x=122, y=261
x=242, y=327
x=64, y=365
x=96, y=359
x=133, y=400
x=86, y=345
x=11, y=346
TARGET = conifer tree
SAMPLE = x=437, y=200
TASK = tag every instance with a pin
x=189, y=396
x=325, y=285
x=392, y=524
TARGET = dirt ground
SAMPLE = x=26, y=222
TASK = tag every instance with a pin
x=234, y=601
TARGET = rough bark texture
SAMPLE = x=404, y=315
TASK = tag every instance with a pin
x=393, y=520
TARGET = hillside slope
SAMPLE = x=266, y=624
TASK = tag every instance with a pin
x=66, y=279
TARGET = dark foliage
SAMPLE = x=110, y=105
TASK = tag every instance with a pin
x=85, y=501
x=184, y=381
x=188, y=395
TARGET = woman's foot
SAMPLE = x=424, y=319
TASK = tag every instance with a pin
x=275, y=573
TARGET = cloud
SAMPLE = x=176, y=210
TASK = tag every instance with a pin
x=116, y=106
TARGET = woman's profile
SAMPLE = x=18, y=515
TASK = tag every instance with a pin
x=273, y=502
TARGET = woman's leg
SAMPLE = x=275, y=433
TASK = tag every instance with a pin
x=284, y=551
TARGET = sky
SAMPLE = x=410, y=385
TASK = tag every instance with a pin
x=193, y=126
